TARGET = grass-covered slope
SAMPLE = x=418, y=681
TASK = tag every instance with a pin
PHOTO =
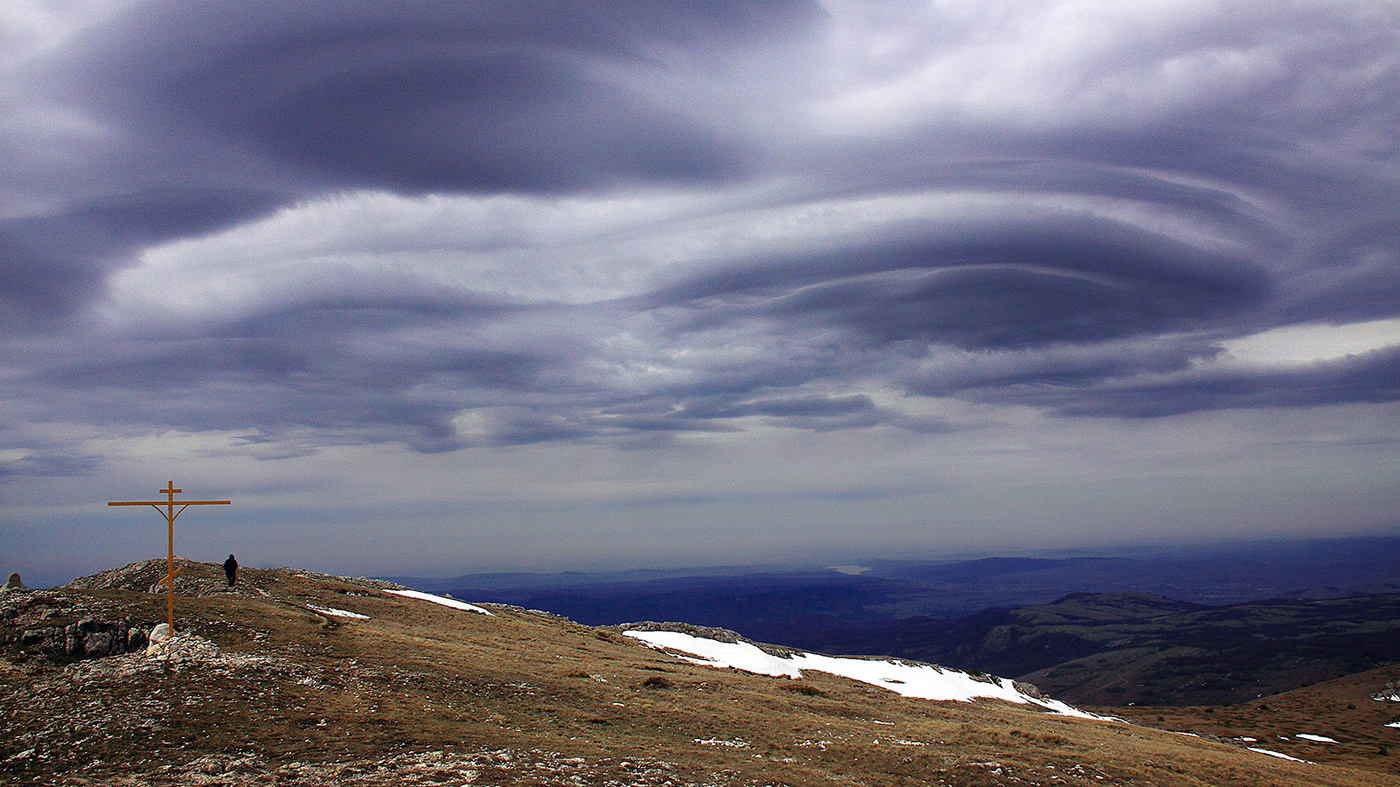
x=301, y=679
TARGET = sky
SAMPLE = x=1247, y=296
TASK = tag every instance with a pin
x=441, y=287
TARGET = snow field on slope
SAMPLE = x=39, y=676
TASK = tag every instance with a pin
x=446, y=602
x=921, y=681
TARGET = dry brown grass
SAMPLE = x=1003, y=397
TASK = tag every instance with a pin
x=346, y=696
x=1341, y=709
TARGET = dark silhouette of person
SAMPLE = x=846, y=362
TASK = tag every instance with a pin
x=231, y=570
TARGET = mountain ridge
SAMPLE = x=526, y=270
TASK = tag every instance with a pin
x=888, y=589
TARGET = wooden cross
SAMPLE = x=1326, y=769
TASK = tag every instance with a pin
x=167, y=510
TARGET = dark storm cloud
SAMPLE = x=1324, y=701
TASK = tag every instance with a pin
x=431, y=96
x=55, y=263
x=1367, y=377
x=1354, y=278
x=1125, y=226
x=265, y=103
x=1066, y=368
x=346, y=363
x=1031, y=283
x=43, y=463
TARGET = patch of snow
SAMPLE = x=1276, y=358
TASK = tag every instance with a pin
x=920, y=681
x=443, y=600
x=1307, y=736
x=1279, y=755
x=337, y=613
x=712, y=653
x=1395, y=724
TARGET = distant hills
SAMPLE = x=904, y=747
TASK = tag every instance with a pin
x=748, y=599
x=1200, y=625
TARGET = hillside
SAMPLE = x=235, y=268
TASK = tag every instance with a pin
x=301, y=679
x=1341, y=721
x=1141, y=649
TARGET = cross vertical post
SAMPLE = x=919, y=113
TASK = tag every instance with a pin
x=169, y=512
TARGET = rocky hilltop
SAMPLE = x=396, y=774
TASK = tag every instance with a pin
x=294, y=678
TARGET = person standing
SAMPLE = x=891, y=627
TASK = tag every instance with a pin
x=231, y=570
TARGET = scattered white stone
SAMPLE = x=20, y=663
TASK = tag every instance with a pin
x=734, y=744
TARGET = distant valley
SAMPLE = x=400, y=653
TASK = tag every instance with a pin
x=1172, y=627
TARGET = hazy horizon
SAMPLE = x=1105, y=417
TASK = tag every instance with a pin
x=1144, y=550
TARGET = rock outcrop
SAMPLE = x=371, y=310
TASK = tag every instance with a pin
x=88, y=638
x=45, y=623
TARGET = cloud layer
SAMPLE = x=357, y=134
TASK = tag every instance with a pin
x=459, y=227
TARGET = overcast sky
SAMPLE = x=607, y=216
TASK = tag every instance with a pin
x=434, y=287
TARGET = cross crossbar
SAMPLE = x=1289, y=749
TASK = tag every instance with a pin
x=177, y=502
x=167, y=510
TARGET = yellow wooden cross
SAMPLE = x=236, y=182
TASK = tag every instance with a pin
x=167, y=510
